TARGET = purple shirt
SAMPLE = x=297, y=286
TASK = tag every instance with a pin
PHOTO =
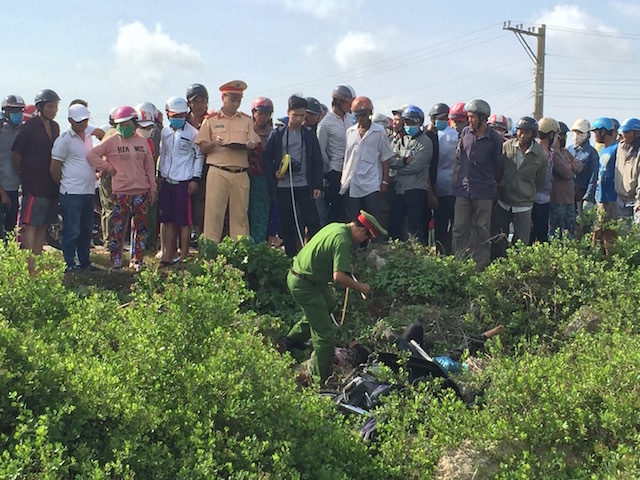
x=476, y=162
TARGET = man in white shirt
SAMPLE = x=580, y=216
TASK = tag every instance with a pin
x=77, y=179
x=366, y=167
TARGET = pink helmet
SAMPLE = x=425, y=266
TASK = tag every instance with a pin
x=262, y=104
x=124, y=113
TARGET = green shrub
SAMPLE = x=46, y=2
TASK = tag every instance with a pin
x=265, y=273
x=413, y=274
x=571, y=414
x=32, y=300
x=177, y=383
x=535, y=290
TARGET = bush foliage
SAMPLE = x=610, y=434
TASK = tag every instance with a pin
x=181, y=379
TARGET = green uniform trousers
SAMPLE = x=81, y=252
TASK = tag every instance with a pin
x=317, y=303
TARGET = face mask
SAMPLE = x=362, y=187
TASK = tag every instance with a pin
x=126, y=132
x=177, y=123
x=15, y=118
x=579, y=138
x=441, y=124
x=144, y=133
x=412, y=130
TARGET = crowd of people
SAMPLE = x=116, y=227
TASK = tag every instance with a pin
x=475, y=179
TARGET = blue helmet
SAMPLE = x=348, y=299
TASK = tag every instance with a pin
x=616, y=124
x=602, y=122
x=414, y=114
x=630, y=124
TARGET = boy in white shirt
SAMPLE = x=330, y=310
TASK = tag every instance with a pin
x=180, y=170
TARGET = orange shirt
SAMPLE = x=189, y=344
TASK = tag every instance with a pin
x=235, y=129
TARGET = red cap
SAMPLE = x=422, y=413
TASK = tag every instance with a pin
x=234, y=86
x=370, y=223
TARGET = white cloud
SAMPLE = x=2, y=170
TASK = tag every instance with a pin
x=627, y=9
x=358, y=49
x=570, y=42
x=319, y=8
x=144, y=58
x=310, y=50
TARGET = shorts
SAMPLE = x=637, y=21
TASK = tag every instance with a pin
x=38, y=211
x=174, y=204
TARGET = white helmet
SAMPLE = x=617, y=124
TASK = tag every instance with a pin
x=380, y=118
x=176, y=105
x=147, y=113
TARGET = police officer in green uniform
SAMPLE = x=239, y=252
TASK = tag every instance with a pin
x=326, y=258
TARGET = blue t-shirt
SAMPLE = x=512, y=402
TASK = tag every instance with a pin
x=606, y=188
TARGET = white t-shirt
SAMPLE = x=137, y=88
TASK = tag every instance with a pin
x=78, y=176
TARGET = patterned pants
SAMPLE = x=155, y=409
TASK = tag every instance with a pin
x=126, y=207
x=562, y=218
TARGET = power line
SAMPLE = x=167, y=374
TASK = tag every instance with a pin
x=592, y=97
x=416, y=56
x=593, y=59
x=631, y=36
x=449, y=81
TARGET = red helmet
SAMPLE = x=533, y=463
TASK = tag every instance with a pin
x=262, y=104
x=124, y=113
x=498, y=120
x=361, y=104
x=28, y=112
x=457, y=112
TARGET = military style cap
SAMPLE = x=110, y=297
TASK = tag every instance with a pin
x=371, y=224
x=398, y=111
x=234, y=86
x=314, y=106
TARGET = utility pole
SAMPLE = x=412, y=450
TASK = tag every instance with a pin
x=538, y=60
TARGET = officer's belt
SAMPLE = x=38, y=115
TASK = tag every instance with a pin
x=231, y=169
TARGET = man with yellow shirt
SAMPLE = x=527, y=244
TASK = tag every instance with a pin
x=225, y=138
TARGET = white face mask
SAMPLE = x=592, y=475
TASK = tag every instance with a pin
x=579, y=138
x=144, y=133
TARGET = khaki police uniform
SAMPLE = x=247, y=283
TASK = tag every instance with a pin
x=227, y=181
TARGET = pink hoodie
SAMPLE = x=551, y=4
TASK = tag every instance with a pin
x=132, y=160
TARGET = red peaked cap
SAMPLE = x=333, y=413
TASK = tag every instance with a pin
x=370, y=223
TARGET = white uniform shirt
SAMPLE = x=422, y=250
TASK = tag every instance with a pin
x=180, y=157
x=78, y=176
x=362, y=173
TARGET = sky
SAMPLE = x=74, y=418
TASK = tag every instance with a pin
x=413, y=52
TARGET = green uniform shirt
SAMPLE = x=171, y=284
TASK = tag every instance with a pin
x=328, y=251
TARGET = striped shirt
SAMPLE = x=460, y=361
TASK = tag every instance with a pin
x=332, y=136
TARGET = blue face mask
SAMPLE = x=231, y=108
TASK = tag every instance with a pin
x=412, y=130
x=177, y=123
x=15, y=118
x=441, y=124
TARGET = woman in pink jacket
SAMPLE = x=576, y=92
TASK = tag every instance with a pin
x=127, y=157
